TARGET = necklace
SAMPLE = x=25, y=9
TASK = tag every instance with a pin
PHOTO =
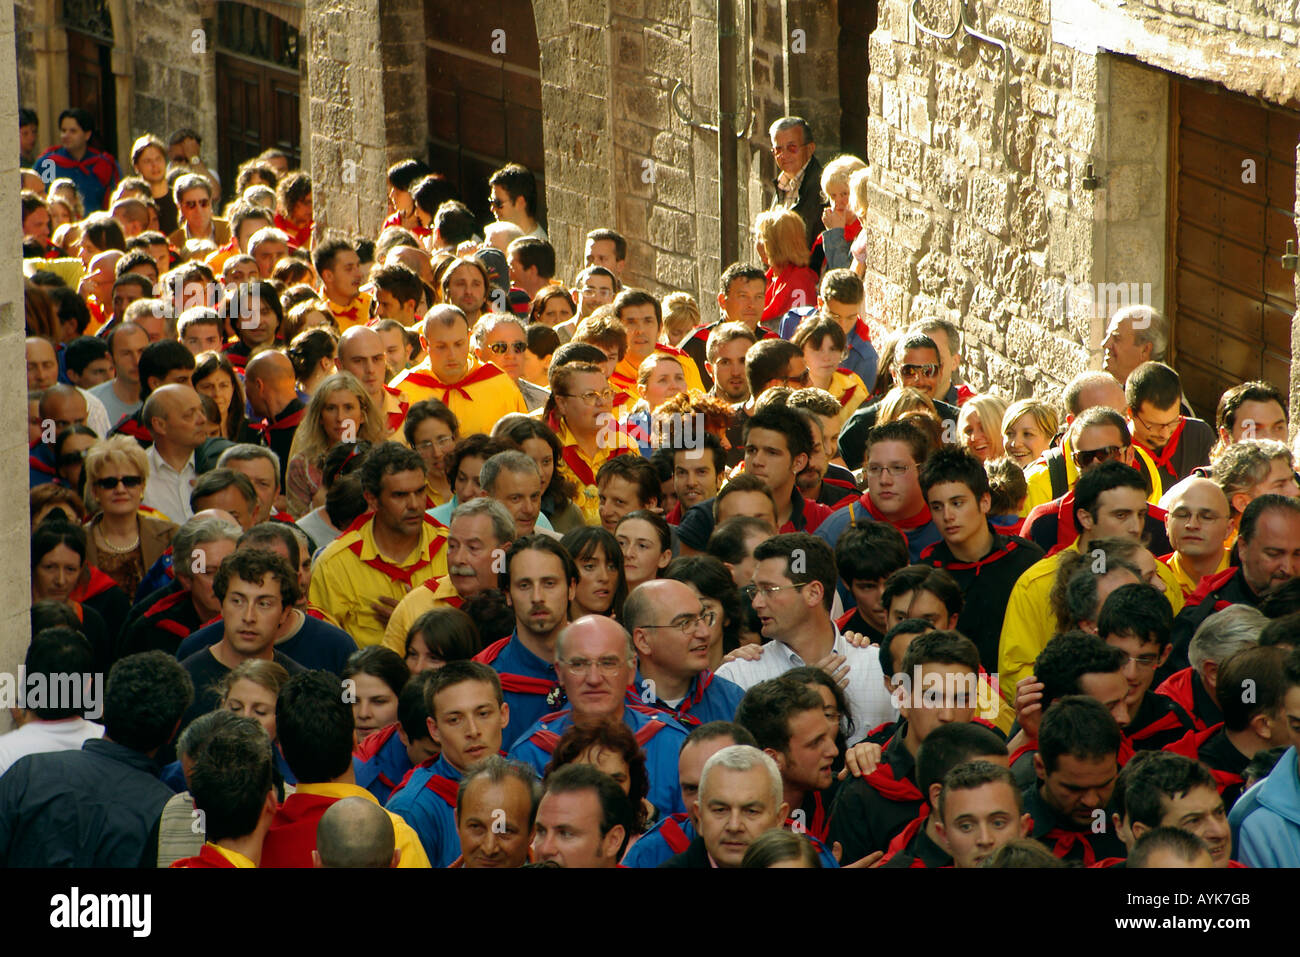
x=116, y=549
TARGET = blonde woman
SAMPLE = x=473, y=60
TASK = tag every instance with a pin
x=251, y=690
x=1028, y=427
x=901, y=400
x=859, y=184
x=659, y=378
x=842, y=224
x=979, y=426
x=681, y=316
x=340, y=411
x=781, y=242
x=123, y=539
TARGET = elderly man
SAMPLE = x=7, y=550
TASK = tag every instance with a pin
x=798, y=185
x=174, y=415
x=479, y=393
x=362, y=352
x=595, y=662
x=513, y=479
x=273, y=396
x=1134, y=335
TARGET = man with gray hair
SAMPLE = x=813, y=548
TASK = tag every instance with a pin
x=496, y=808
x=1250, y=468
x=513, y=479
x=354, y=832
x=595, y=663
x=261, y=466
x=178, y=610
x=1134, y=335
x=1218, y=637
x=1268, y=555
x=478, y=535
x=740, y=800
x=174, y=416
x=477, y=392
x=798, y=183
x=502, y=339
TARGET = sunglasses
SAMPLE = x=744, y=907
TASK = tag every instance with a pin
x=196, y=203
x=129, y=481
x=927, y=371
x=1084, y=458
x=501, y=348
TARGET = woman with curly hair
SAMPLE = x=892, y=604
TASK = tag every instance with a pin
x=540, y=443
x=613, y=749
x=340, y=411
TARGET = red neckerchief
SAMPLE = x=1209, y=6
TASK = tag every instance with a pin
x=1178, y=686
x=518, y=684
x=1189, y=746
x=353, y=312
x=1167, y=722
x=433, y=584
x=883, y=781
x=675, y=516
x=372, y=743
x=673, y=835
x=1211, y=584
x=415, y=227
x=1066, y=533
x=910, y=523
x=574, y=460
x=848, y=393
x=818, y=826
x=1065, y=841
x=38, y=465
x=299, y=236
x=907, y=834
x=862, y=329
x=445, y=788
x=425, y=380
x=394, y=572
x=1161, y=460
x=992, y=556
x=131, y=427
x=395, y=419
x=279, y=424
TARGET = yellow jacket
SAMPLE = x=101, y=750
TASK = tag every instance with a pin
x=581, y=470
x=351, y=575
x=848, y=387
x=432, y=594
x=408, y=842
x=1029, y=624
x=1040, y=480
x=480, y=399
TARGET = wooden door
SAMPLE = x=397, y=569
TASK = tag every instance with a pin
x=1233, y=210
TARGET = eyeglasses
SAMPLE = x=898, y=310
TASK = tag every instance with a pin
x=501, y=348
x=1145, y=662
x=107, y=484
x=897, y=471
x=607, y=666
x=196, y=204
x=803, y=378
x=1085, y=457
x=927, y=371
x=768, y=591
x=1205, y=516
x=430, y=445
x=790, y=149
x=591, y=398
x=1159, y=428
x=687, y=625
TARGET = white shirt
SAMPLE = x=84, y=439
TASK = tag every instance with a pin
x=168, y=490
x=96, y=413
x=537, y=233
x=41, y=737
x=867, y=696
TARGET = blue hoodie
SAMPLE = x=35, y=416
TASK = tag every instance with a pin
x=1266, y=819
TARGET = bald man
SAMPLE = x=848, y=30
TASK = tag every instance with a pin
x=273, y=396
x=65, y=406
x=1094, y=388
x=354, y=832
x=417, y=260
x=362, y=352
x=1198, y=520
x=42, y=364
x=595, y=663
x=671, y=633
x=174, y=415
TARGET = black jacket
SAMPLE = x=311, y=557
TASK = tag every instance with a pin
x=864, y=818
x=809, y=206
x=695, y=856
x=90, y=808
x=1210, y=596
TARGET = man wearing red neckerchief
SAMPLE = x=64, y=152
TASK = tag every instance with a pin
x=894, y=452
x=363, y=574
x=870, y=811
x=642, y=317
x=1076, y=766
x=293, y=212
x=361, y=351
x=1177, y=444
x=479, y=393
x=339, y=268
x=924, y=843
x=979, y=811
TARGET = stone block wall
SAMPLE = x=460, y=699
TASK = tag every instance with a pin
x=981, y=209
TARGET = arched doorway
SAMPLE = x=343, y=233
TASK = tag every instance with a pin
x=91, y=85
x=485, y=95
x=258, y=81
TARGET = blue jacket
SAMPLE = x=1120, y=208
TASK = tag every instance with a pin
x=670, y=836
x=427, y=802
x=660, y=737
x=529, y=684
x=861, y=357
x=1266, y=819
x=708, y=698
x=381, y=762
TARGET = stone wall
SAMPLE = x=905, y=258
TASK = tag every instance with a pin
x=981, y=209
x=15, y=579
x=173, y=69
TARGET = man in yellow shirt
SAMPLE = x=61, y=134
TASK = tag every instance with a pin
x=339, y=268
x=1110, y=502
x=479, y=533
x=479, y=393
x=363, y=574
x=1198, y=521
x=314, y=726
x=643, y=318
x=580, y=413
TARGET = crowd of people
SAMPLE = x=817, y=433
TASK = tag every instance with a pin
x=408, y=551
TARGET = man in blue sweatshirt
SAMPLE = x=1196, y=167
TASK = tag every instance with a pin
x=1266, y=821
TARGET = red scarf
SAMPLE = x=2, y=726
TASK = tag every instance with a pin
x=425, y=380
x=574, y=460
x=445, y=788
x=883, y=781
x=518, y=684
x=907, y=834
x=1161, y=459
x=1064, y=842
x=299, y=236
x=290, y=421
x=818, y=827
x=910, y=523
x=395, y=572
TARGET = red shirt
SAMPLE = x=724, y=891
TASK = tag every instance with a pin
x=793, y=286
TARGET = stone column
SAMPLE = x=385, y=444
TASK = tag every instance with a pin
x=15, y=582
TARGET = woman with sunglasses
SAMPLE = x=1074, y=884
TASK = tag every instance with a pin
x=70, y=449
x=123, y=539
